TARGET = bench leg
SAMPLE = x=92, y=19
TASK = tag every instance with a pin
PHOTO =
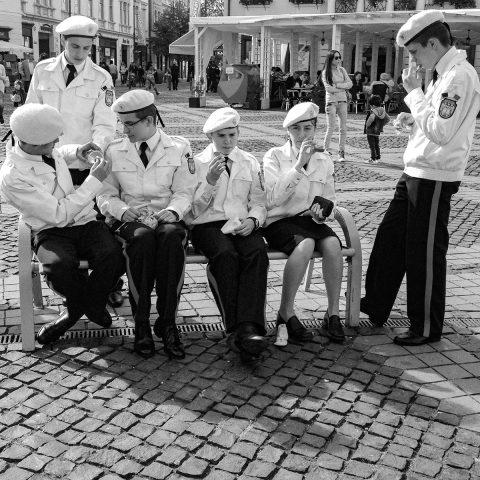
x=26, y=299
x=354, y=282
x=308, y=276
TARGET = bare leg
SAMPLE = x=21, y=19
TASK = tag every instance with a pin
x=293, y=273
x=332, y=267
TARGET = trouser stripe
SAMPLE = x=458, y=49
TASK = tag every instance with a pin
x=429, y=257
x=131, y=284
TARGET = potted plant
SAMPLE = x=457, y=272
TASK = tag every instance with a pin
x=197, y=97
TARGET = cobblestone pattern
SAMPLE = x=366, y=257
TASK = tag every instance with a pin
x=386, y=141
x=473, y=166
x=318, y=412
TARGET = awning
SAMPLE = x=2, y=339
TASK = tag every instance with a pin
x=184, y=45
x=12, y=48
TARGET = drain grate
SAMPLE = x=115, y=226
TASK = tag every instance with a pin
x=185, y=329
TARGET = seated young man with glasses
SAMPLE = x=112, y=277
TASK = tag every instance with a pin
x=144, y=200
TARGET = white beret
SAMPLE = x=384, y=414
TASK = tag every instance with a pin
x=301, y=112
x=416, y=24
x=133, y=101
x=36, y=124
x=222, y=118
x=77, y=26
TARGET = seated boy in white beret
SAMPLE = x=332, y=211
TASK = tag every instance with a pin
x=144, y=201
x=36, y=181
x=228, y=208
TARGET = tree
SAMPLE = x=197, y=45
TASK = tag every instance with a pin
x=211, y=8
x=173, y=23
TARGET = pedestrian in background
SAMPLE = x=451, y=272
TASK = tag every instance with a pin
x=112, y=68
x=168, y=78
x=26, y=68
x=413, y=237
x=175, y=71
x=337, y=82
x=18, y=92
x=123, y=73
x=376, y=119
x=4, y=81
x=150, y=78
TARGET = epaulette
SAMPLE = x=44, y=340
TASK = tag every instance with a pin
x=117, y=141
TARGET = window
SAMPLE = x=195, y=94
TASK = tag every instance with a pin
x=100, y=10
x=64, y=5
x=77, y=7
x=89, y=8
x=111, y=11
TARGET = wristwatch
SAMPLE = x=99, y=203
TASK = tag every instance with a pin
x=255, y=222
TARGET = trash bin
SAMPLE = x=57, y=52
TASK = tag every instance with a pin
x=241, y=84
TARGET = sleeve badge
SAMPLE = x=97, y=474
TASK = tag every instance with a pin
x=190, y=163
x=109, y=97
x=448, y=106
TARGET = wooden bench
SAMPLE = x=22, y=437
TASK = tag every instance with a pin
x=31, y=289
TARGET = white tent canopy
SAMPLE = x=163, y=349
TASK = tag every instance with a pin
x=185, y=45
x=15, y=49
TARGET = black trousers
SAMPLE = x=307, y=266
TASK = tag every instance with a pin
x=374, y=144
x=237, y=272
x=175, y=82
x=413, y=239
x=59, y=250
x=153, y=258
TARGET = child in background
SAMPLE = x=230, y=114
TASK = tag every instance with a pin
x=168, y=78
x=376, y=119
x=18, y=93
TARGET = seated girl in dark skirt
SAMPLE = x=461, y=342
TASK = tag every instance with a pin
x=294, y=175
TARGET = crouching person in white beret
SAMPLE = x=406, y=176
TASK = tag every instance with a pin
x=144, y=200
x=35, y=180
x=228, y=208
x=296, y=175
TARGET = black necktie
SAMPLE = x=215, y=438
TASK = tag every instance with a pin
x=143, y=154
x=49, y=161
x=227, y=168
x=435, y=76
x=71, y=73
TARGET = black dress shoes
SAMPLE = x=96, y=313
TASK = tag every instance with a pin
x=115, y=297
x=333, y=327
x=296, y=331
x=54, y=330
x=412, y=340
x=104, y=321
x=172, y=344
x=248, y=340
x=364, y=309
x=144, y=344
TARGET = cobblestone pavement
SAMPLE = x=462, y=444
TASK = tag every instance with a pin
x=88, y=408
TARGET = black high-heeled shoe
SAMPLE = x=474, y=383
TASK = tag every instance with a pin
x=296, y=331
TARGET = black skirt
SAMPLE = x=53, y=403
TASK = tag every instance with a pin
x=287, y=233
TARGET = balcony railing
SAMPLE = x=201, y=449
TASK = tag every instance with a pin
x=405, y=4
x=346, y=6
x=254, y=3
x=375, y=5
x=307, y=2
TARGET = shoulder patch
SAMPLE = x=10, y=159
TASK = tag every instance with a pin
x=448, y=105
x=190, y=162
x=109, y=96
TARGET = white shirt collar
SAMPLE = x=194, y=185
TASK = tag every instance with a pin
x=152, y=142
x=79, y=67
x=22, y=153
x=443, y=64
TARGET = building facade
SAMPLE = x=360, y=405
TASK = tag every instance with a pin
x=124, y=26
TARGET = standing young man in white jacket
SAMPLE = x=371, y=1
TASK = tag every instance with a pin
x=413, y=236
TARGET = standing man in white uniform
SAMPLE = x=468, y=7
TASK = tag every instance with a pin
x=79, y=89
x=83, y=93
x=413, y=236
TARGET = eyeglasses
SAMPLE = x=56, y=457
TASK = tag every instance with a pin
x=337, y=58
x=130, y=124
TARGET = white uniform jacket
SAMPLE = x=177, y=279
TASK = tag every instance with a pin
x=445, y=117
x=290, y=192
x=168, y=181
x=44, y=197
x=240, y=195
x=84, y=104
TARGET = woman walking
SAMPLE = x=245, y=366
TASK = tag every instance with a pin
x=337, y=82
